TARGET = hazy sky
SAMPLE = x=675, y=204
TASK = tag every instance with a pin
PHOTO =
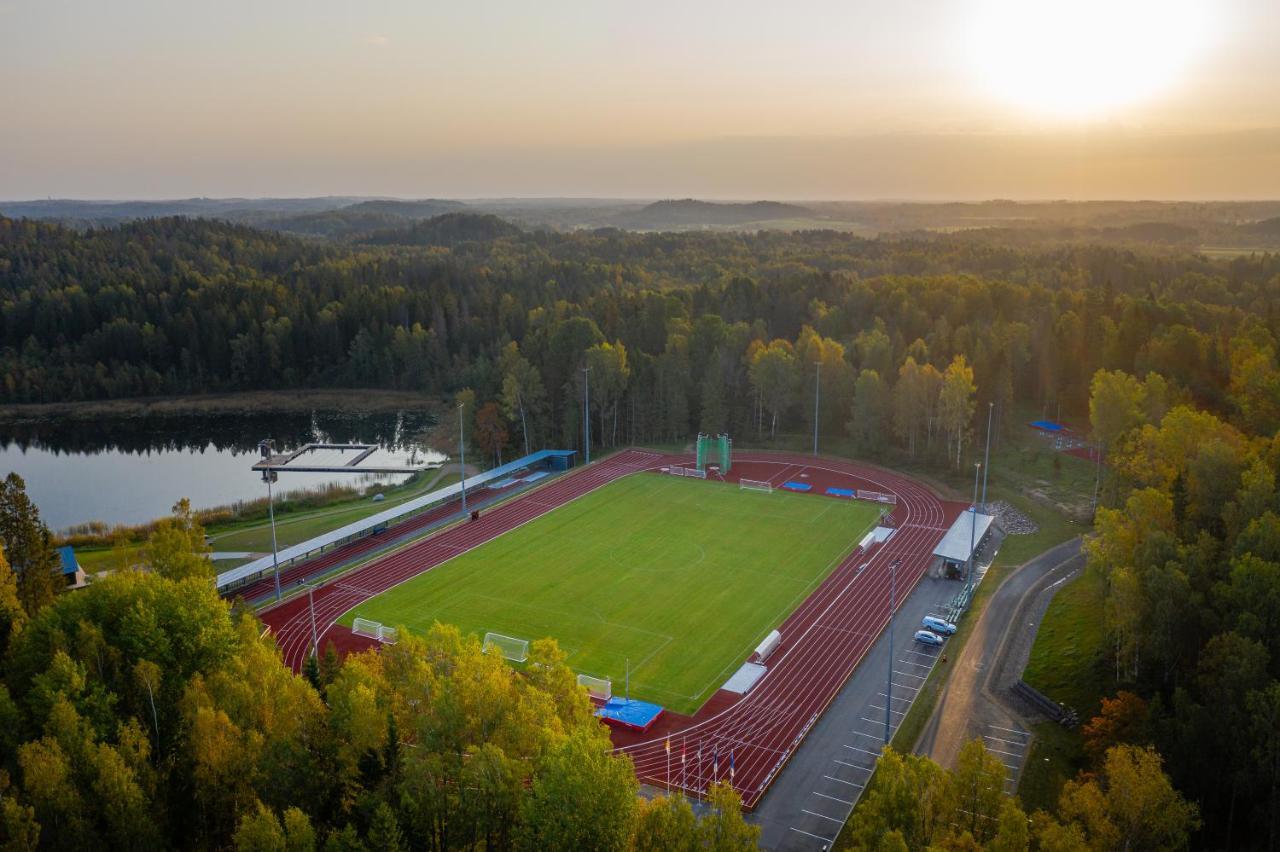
x=799, y=99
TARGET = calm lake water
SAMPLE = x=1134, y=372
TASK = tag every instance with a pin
x=130, y=470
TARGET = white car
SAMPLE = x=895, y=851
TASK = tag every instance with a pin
x=928, y=637
x=938, y=625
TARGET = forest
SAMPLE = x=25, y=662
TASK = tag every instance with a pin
x=683, y=332
x=1168, y=356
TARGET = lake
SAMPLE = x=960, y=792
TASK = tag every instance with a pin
x=129, y=470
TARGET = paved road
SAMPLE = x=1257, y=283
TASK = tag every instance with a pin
x=992, y=660
x=809, y=801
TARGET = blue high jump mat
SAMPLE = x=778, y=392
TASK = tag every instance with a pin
x=797, y=486
x=629, y=713
x=509, y=481
x=842, y=492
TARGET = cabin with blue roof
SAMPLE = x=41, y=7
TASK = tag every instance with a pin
x=73, y=576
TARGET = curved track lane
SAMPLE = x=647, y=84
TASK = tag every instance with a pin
x=824, y=639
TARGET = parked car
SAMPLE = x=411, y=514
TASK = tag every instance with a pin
x=938, y=625
x=928, y=637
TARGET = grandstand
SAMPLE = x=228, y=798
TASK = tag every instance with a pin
x=539, y=463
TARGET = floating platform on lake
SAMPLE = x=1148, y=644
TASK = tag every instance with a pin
x=289, y=462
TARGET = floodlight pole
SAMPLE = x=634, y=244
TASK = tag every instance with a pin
x=817, y=394
x=462, y=460
x=268, y=475
x=1097, y=480
x=986, y=458
x=973, y=523
x=586, y=411
x=888, y=686
x=311, y=606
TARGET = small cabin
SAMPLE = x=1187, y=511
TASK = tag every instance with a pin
x=73, y=576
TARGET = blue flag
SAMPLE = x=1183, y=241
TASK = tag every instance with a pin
x=730, y=764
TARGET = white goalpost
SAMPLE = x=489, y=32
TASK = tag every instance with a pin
x=754, y=485
x=367, y=628
x=688, y=471
x=599, y=688
x=511, y=648
x=387, y=635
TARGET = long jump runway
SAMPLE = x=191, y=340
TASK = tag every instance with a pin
x=748, y=737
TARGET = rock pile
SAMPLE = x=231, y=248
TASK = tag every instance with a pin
x=1011, y=520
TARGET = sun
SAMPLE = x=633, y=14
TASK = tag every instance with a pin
x=1085, y=58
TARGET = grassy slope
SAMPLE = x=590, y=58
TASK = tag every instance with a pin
x=1068, y=663
x=291, y=527
x=681, y=577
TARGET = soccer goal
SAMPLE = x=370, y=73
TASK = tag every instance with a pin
x=366, y=627
x=599, y=688
x=516, y=650
x=388, y=635
x=754, y=485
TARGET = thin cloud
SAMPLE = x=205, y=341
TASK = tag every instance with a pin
x=377, y=40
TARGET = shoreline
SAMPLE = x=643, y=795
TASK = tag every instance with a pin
x=243, y=402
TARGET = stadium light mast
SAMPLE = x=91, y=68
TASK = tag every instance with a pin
x=986, y=458
x=586, y=411
x=888, y=687
x=973, y=524
x=462, y=460
x=311, y=607
x=817, y=394
x=265, y=447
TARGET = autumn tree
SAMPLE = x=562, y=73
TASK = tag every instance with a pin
x=773, y=374
x=490, y=432
x=27, y=545
x=176, y=548
x=872, y=402
x=956, y=402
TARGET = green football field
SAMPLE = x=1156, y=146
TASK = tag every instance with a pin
x=682, y=577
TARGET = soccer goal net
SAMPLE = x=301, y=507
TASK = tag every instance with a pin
x=516, y=650
x=755, y=485
x=599, y=688
x=366, y=627
x=388, y=635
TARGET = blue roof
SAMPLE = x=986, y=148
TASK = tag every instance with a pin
x=68, y=556
x=1047, y=425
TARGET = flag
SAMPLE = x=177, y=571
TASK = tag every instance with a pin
x=667, y=745
x=715, y=762
x=682, y=752
x=730, y=764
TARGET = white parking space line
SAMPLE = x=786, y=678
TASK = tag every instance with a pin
x=814, y=836
x=895, y=697
x=853, y=765
x=833, y=798
x=1010, y=730
x=1019, y=743
x=863, y=750
x=909, y=674
x=823, y=816
x=842, y=781
x=881, y=709
x=877, y=737
x=922, y=654
x=1008, y=753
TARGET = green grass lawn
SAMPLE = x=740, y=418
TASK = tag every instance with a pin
x=682, y=577
x=1069, y=664
x=295, y=527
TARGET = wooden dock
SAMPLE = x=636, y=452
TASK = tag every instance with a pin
x=283, y=463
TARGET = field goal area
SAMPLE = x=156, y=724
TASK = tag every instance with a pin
x=599, y=688
x=755, y=485
x=516, y=650
x=374, y=630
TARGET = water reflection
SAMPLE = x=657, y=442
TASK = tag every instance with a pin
x=132, y=469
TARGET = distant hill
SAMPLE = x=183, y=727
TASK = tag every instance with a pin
x=1265, y=228
x=233, y=209
x=689, y=213
x=447, y=230
x=424, y=209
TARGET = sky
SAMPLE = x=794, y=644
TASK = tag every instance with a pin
x=808, y=99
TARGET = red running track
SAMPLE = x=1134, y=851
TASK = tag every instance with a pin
x=822, y=641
